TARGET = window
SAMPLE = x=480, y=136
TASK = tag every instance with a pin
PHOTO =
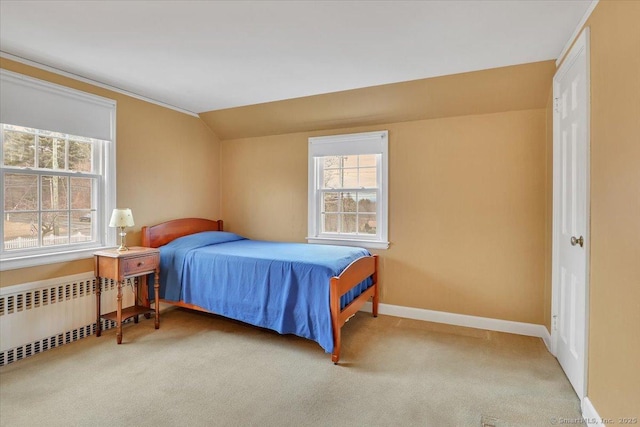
x=57, y=172
x=348, y=189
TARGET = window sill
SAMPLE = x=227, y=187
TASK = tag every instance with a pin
x=33, y=260
x=368, y=244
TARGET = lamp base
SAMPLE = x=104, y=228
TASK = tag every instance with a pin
x=123, y=247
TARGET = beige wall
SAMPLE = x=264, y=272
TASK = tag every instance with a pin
x=167, y=167
x=614, y=309
x=466, y=217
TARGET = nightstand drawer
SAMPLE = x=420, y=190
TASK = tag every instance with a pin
x=139, y=264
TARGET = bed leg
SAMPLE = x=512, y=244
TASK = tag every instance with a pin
x=335, y=356
x=375, y=302
x=334, y=304
x=376, y=296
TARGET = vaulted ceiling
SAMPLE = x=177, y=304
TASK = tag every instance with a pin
x=519, y=87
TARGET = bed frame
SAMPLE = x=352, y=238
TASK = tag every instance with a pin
x=161, y=234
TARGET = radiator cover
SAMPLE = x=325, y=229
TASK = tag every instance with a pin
x=35, y=317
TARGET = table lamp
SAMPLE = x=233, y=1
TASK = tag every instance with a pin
x=122, y=218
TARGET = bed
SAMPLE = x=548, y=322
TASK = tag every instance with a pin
x=293, y=288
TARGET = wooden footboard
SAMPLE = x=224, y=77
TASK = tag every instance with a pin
x=355, y=273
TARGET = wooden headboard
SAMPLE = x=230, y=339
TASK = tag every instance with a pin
x=154, y=236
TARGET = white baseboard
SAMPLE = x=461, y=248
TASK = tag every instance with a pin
x=590, y=415
x=546, y=338
x=519, y=328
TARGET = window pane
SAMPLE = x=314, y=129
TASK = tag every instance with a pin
x=368, y=177
x=20, y=230
x=51, y=153
x=330, y=223
x=81, y=229
x=331, y=178
x=331, y=202
x=80, y=217
x=366, y=202
x=368, y=160
x=81, y=191
x=349, y=161
x=350, y=178
x=348, y=223
x=19, y=149
x=331, y=162
x=367, y=224
x=20, y=192
x=80, y=154
x=55, y=228
x=54, y=192
x=348, y=202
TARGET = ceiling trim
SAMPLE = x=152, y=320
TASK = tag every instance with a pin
x=576, y=31
x=60, y=72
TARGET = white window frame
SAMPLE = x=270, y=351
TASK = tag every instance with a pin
x=349, y=144
x=105, y=193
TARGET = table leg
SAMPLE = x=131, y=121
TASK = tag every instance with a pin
x=156, y=287
x=98, y=325
x=143, y=291
x=119, y=314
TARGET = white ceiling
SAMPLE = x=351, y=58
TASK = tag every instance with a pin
x=209, y=55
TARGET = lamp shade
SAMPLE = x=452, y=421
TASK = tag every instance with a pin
x=121, y=218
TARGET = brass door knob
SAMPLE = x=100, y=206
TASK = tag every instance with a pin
x=577, y=241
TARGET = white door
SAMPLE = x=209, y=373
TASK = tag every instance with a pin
x=571, y=163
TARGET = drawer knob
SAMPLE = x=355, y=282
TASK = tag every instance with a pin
x=140, y=263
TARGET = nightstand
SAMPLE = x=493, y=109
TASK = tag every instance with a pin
x=119, y=266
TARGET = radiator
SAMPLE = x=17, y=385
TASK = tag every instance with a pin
x=37, y=316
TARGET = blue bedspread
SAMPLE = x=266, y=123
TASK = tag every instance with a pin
x=280, y=286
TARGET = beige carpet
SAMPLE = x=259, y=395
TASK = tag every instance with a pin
x=203, y=370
